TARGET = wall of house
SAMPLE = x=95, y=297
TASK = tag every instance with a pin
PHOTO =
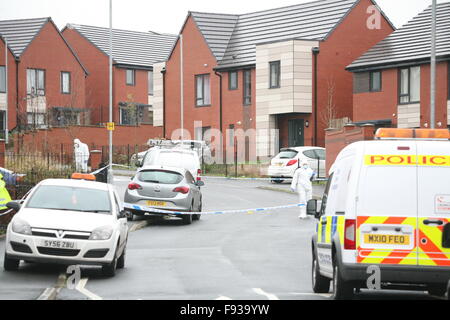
x=198, y=59
x=51, y=140
x=346, y=43
x=97, y=83
x=127, y=93
x=48, y=51
x=385, y=104
x=11, y=86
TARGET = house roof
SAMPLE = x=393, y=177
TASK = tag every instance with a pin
x=410, y=43
x=131, y=48
x=20, y=33
x=233, y=38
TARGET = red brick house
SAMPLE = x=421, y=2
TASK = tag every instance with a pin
x=134, y=54
x=275, y=69
x=392, y=79
x=46, y=79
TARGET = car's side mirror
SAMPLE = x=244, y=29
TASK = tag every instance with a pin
x=313, y=208
x=14, y=205
x=122, y=214
x=138, y=164
x=199, y=183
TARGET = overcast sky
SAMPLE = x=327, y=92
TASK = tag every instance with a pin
x=166, y=15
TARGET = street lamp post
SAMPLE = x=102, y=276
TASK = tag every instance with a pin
x=6, y=89
x=110, y=175
x=433, y=68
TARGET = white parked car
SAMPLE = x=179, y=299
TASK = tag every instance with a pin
x=71, y=222
x=177, y=158
x=284, y=165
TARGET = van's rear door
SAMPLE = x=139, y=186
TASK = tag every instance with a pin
x=387, y=204
x=434, y=203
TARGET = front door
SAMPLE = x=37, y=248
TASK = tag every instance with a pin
x=296, y=133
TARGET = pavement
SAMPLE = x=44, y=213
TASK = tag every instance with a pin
x=260, y=256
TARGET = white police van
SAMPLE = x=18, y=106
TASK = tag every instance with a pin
x=384, y=221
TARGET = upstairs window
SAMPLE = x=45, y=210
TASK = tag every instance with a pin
x=275, y=72
x=247, y=87
x=375, y=81
x=150, y=83
x=35, y=82
x=202, y=90
x=65, y=82
x=2, y=79
x=232, y=80
x=131, y=77
x=409, y=85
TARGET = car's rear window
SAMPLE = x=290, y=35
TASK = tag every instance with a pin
x=287, y=154
x=160, y=176
x=70, y=198
x=177, y=160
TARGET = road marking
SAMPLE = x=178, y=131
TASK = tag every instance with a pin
x=52, y=293
x=223, y=298
x=263, y=293
x=324, y=295
x=81, y=288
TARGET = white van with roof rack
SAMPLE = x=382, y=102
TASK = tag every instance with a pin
x=386, y=212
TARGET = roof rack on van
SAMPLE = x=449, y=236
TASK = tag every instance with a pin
x=425, y=134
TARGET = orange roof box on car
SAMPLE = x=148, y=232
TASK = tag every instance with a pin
x=83, y=176
x=391, y=133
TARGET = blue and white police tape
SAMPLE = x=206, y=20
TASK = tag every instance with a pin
x=147, y=209
x=257, y=179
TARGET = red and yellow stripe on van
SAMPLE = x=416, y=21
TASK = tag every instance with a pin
x=386, y=255
x=427, y=249
x=431, y=252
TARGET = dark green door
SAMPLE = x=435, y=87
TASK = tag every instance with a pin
x=296, y=133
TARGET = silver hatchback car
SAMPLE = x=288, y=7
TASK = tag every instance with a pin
x=165, y=188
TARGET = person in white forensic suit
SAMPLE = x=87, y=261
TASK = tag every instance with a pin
x=81, y=152
x=302, y=184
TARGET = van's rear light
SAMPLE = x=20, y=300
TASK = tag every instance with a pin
x=134, y=186
x=350, y=235
x=199, y=173
x=291, y=163
x=183, y=190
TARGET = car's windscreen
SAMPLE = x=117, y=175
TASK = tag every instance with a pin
x=160, y=176
x=71, y=199
x=287, y=154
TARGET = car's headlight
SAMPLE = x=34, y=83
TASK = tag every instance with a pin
x=102, y=233
x=21, y=227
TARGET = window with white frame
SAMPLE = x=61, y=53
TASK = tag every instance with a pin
x=65, y=82
x=409, y=85
x=130, y=77
x=2, y=79
x=35, y=82
x=203, y=90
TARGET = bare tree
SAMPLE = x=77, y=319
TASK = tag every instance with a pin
x=329, y=113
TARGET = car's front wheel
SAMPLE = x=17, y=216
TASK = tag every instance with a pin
x=121, y=260
x=109, y=270
x=10, y=264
